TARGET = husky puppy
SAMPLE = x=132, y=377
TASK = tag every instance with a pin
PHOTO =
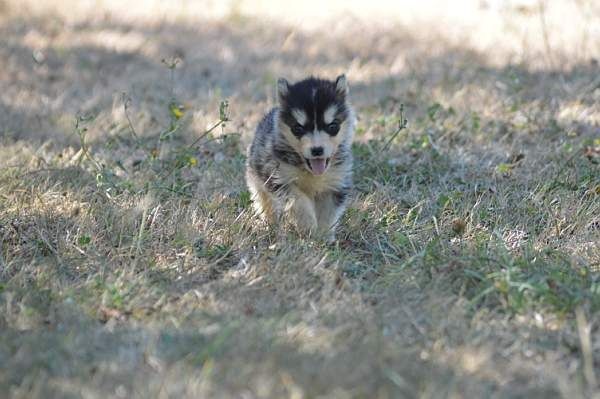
x=300, y=161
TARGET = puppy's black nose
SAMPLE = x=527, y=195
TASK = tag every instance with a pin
x=316, y=151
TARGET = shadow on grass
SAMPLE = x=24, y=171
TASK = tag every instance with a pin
x=74, y=354
x=84, y=72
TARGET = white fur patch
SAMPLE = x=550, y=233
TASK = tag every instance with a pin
x=329, y=114
x=318, y=139
x=310, y=184
x=299, y=115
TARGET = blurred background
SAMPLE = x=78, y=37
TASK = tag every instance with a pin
x=63, y=58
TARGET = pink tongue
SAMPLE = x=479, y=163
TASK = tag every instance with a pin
x=317, y=165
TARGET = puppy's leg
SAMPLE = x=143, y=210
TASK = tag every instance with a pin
x=302, y=210
x=262, y=200
x=329, y=208
x=267, y=206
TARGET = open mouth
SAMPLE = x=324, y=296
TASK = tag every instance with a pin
x=317, y=166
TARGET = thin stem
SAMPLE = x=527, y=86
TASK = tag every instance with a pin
x=402, y=123
x=206, y=133
x=126, y=103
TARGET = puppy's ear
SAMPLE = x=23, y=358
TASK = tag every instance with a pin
x=283, y=89
x=341, y=86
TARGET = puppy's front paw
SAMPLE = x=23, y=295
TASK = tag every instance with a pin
x=304, y=216
x=306, y=222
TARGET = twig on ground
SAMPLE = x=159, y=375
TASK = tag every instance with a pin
x=126, y=102
x=402, y=124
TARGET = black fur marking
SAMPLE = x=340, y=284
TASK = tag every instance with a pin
x=313, y=96
x=340, y=197
x=276, y=188
x=259, y=170
x=266, y=123
x=287, y=154
x=263, y=130
x=265, y=165
x=342, y=155
x=267, y=177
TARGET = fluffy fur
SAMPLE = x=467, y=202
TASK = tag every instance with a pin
x=300, y=161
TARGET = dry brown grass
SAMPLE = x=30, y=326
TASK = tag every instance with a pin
x=466, y=265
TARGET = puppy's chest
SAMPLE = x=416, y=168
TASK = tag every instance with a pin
x=313, y=185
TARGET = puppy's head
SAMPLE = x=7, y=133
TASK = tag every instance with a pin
x=315, y=118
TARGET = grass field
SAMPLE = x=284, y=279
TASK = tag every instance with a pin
x=467, y=264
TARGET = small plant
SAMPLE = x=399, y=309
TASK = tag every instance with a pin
x=402, y=124
x=81, y=131
x=84, y=240
x=169, y=165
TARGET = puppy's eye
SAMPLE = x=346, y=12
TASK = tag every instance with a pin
x=297, y=129
x=333, y=127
